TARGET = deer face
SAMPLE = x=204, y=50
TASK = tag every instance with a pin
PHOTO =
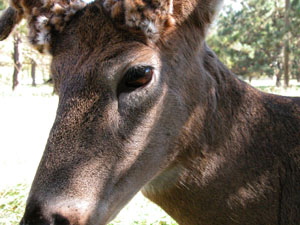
x=110, y=136
x=127, y=94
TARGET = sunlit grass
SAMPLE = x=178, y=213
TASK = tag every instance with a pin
x=12, y=202
x=139, y=211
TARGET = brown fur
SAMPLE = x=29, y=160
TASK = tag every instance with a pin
x=9, y=18
x=205, y=146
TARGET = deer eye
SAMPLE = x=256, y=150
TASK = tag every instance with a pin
x=137, y=77
x=134, y=78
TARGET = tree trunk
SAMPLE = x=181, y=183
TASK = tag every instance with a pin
x=286, y=65
x=298, y=76
x=278, y=74
x=286, y=51
x=278, y=78
x=17, y=63
x=297, y=70
x=33, y=69
x=250, y=79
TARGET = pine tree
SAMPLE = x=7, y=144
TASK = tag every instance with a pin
x=251, y=40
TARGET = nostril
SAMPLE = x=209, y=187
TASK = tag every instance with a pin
x=34, y=215
x=53, y=213
x=60, y=220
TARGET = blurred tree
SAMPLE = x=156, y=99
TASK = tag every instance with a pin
x=3, y=4
x=286, y=50
x=35, y=63
x=18, y=35
x=251, y=39
x=295, y=38
x=33, y=70
x=16, y=59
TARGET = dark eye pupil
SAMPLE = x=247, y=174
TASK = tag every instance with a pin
x=135, y=77
x=138, y=76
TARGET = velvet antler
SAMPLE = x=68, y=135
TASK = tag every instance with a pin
x=156, y=18
x=43, y=17
x=8, y=20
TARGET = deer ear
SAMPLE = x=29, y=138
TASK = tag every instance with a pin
x=157, y=18
x=8, y=20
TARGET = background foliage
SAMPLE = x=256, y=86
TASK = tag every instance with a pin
x=250, y=36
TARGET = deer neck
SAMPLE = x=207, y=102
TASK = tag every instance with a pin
x=218, y=166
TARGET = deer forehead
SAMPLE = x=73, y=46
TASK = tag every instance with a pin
x=149, y=19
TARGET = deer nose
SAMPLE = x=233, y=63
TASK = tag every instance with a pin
x=53, y=214
x=57, y=220
x=36, y=218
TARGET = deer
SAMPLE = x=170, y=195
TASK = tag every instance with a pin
x=146, y=105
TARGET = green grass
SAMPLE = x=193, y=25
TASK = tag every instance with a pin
x=12, y=202
x=139, y=211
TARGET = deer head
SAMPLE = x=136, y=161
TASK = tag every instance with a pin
x=130, y=79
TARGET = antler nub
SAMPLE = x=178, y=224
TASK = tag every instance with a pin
x=42, y=17
x=53, y=14
x=8, y=20
x=152, y=17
